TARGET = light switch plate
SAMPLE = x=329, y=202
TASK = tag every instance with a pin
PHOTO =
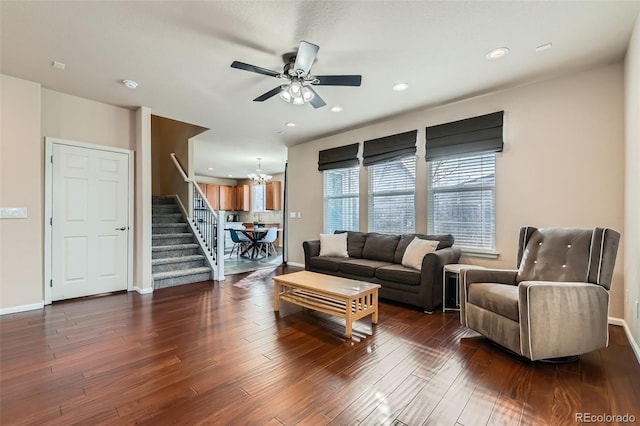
x=13, y=212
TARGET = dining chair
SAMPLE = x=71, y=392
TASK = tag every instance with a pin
x=240, y=241
x=268, y=242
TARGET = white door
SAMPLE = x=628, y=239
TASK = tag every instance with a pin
x=89, y=246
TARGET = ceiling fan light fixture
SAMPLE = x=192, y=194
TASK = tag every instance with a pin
x=295, y=88
x=298, y=100
x=307, y=94
x=284, y=94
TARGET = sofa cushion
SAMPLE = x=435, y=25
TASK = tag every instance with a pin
x=398, y=273
x=416, y=251
x=445, y=240
x=326, y=263
x=365, y=268
x=380, y=247
x=333, y=245
x=355, y=243
x=499, y=298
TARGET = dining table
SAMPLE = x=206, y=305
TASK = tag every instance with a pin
x=254, y=234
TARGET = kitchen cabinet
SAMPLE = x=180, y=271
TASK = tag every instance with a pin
x=243, y=198
x=227, y=197
x=273, y=195
x=213, y=196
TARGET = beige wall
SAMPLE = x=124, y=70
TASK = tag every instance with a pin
x=82, y=120
x=562, y=163
x=21, y=185
x=169, y=136
x=632, y=184
x=29, y=114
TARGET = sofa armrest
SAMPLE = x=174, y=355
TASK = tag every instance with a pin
x=559, y=319
x=431, y=276
x=311, y=249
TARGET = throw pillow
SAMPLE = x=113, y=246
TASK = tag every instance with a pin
x=416, y=250
x=333, y=245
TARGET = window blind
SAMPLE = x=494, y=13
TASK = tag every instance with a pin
x=338, y=158
x=342, y=199
x=461, y=196
x=465, y=137
x=391, y=199
x=389, y=148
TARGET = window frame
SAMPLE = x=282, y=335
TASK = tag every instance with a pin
x=354, y=196
x=372, y=193
x=460, y=188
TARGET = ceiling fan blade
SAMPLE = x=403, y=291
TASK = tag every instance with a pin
x=339, y=80
x=304, y=58
x=316, y=101
x=253, y=68
x=271, y=93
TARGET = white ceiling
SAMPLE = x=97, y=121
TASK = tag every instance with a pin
x=180, y=54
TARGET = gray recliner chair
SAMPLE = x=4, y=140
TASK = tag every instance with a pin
x=556, y=304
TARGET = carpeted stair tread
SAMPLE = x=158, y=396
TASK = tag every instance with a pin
x=181, y=273
x=175, y=247
x=178, y=259
x=171, y=235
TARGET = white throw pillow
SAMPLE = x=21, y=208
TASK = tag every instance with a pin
x=333, y=245
x=416, y=250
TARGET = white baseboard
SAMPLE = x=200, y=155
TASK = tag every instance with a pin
x=299, y=265
x=634, y=345
x=23, y=308
x=147, y=290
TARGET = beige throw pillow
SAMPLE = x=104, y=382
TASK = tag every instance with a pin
x=333, y=245
x=416, y=250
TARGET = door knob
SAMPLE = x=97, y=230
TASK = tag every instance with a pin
x=124, y=228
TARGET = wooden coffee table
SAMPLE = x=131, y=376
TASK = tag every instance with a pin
x=342, y=297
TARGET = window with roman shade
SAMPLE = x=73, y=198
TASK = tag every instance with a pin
x=391, y=164
x=341, y=174
x=461, y=180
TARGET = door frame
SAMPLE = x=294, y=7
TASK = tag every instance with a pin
x=48, y=206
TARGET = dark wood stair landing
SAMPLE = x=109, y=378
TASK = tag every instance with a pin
x=219, y=355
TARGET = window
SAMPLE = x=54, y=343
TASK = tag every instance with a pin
x=341, y=199
x=258, y=196
x=392, y=188
x=461, y=193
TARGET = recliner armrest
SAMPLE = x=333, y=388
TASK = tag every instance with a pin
x=470, y=276
x=559, y=319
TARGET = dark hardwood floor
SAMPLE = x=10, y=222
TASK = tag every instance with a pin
x=217, y=354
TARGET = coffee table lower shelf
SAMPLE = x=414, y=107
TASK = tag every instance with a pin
x=329, y=295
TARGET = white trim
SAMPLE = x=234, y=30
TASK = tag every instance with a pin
x=634, y=345
x=139, y=290
x=299, y=265
x=22, y=308
x=48, y=198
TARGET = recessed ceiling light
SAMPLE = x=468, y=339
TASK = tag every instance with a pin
x=130, y=84
x=58, y=65
x=230, y=175
x=497, y=53
x=209, y=168
x=290, y=124
x=545, y=46
x=399, y=87
x=336, y=108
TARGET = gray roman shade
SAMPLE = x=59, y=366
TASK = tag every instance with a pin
x=338, y=158
x=464, y=137
x=389, y=148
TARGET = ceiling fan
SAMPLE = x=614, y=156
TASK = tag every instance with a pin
x=297, y=88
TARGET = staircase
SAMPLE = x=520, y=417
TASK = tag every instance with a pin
x=176, y=255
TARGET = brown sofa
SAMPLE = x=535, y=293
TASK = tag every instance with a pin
x=377, y=258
